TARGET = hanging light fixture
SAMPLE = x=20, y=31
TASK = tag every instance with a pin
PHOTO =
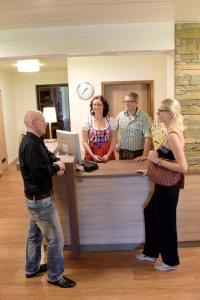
x=28, y=65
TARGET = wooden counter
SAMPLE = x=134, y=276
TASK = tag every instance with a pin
x=110, y=205
x=106, y=206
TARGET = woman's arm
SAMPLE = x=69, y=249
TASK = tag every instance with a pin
x=175, y=144
x=112, y=145
x=85, y=142
x=87, y=147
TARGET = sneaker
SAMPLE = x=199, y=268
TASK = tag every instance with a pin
x=164, y=267
x=142, y=256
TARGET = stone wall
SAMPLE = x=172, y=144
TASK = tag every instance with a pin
x=187, y=86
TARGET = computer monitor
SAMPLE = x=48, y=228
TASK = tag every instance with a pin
x=68, y=143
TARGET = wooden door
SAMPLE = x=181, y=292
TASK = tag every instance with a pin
x=3, y=151
x=114, y=92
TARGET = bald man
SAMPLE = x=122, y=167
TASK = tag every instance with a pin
x=38, y=165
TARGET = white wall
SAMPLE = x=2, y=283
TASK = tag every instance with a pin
x=9, y=114
x=25, y=92
x=113, y=68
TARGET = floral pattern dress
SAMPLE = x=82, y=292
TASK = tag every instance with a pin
x=99, y=139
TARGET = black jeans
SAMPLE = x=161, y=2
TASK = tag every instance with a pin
x=160, y=224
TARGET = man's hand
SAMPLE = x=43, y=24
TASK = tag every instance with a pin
x=60, y=164
x=141, y=158
x=60, y=173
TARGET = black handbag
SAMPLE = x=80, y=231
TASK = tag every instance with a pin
x=89, y=166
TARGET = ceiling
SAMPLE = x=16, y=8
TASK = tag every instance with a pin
x=39, y=13
x=18, y=14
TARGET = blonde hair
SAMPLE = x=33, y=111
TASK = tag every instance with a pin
x=174, y=106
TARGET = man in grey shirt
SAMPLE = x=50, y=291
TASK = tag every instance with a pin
x=134, y=130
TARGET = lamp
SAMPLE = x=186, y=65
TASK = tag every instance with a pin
x=50, y=117
x=28, y=65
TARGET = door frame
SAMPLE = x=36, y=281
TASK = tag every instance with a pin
x=3, y=147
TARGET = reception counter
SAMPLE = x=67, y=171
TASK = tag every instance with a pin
x=110, y=202
x=104, y=209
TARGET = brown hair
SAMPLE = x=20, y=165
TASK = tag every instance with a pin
x=105, y=105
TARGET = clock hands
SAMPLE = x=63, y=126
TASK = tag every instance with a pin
x=85, y=90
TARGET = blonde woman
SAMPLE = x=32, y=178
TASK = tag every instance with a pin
x=160, y=212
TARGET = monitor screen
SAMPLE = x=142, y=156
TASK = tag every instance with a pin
x=68, y=143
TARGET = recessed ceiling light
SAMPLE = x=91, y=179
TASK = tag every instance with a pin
x=28, y=65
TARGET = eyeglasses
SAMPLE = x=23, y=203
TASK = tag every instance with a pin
x=97, y=104
x=162, y=110
x=129, y=101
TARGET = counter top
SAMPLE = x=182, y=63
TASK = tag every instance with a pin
x=115, y=168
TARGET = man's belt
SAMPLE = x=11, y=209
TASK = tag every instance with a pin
x=39, y=197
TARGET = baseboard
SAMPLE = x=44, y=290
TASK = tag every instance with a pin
x=125, y=247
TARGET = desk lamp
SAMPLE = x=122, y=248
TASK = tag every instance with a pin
x=50, y=117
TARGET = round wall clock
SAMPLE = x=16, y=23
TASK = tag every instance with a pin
x=85, y=90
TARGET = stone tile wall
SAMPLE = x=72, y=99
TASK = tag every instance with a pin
x=187, y=86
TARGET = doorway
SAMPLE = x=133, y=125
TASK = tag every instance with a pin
x=56, y=95
x=115, y=91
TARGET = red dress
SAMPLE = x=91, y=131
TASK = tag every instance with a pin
x=99, y=140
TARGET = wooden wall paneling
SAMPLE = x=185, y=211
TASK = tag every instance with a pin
x=66, y=199
x=111, y=209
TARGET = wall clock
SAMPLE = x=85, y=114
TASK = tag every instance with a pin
x=85, y=90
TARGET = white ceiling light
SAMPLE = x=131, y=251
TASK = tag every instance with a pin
x=28, y=65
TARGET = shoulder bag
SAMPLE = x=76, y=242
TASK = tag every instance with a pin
x=163, y=176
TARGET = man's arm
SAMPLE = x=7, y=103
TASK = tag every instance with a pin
x=148, y=144
x=117, y=146
x=39, y=164
x=147, y=148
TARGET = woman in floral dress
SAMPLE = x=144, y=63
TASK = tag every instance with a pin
x=99, y=132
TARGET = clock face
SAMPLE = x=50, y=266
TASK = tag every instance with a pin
x=85, y=90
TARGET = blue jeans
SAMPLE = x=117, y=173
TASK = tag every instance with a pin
x=44, y=222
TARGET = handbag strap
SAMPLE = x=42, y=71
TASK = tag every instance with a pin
x=173, y=131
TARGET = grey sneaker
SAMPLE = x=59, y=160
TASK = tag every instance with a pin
x=142, y=256
x=164, y=267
